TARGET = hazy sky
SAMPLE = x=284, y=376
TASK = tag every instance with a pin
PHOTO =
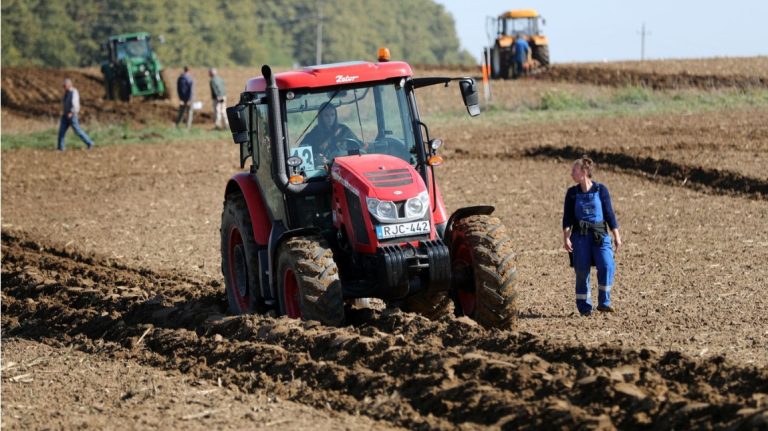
x=596, y=30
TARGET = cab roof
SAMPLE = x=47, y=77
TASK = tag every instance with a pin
x=520, y=13
x=328, y=75
x=126, y=36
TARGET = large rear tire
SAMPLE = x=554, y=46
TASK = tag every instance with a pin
x=541, y=53
x=239, y=257
x=124, y=91
x=308, y=281
x=482, y=263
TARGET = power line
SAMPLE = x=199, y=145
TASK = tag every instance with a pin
x=643, y=33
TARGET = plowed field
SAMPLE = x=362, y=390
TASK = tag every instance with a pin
x=114, y=315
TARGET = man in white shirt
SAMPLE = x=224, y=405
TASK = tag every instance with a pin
x=71, y=104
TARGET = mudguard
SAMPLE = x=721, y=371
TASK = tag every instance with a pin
x=464, y=212
x=257, y=209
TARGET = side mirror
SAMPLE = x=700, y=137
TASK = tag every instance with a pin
x=238, y=123
x=543, y=21
x=469, y=94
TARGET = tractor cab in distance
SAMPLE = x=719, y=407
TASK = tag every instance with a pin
x=341, y=202
x=131, y=68
x=507, y=28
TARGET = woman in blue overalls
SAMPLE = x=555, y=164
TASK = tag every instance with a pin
x=587, y=219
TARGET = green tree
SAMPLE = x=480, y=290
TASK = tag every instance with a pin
x=66, y=33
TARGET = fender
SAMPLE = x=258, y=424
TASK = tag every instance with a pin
x=465, y=212
x=245, y=183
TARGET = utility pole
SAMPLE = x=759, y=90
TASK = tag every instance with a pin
x=643, y=33
x=319, y=39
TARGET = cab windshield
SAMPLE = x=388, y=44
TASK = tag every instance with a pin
x=328, y=123
x=132, y=48
x=521, y=26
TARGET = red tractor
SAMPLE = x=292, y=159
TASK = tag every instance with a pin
x=341, y=202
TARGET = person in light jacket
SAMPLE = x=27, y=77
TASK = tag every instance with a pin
x=219, y=97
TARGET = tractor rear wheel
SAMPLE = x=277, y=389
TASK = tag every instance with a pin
x=482, y=263
x=239, y=257
x=541, y=53
x=123, y=91
x=308, y=281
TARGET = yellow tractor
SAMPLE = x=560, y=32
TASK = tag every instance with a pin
x=507, y=28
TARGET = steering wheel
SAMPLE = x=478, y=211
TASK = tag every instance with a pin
x=393, y=147
x=351, y=144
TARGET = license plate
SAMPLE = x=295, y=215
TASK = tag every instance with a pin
x=402, y=229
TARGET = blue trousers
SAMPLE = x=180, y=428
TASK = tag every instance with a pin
x=585, y=253
x=64, y=126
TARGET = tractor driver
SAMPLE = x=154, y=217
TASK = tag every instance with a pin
x=327, y=138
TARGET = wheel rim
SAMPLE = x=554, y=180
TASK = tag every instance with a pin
x=464, y=279
x=291, y=294
x=238, y=271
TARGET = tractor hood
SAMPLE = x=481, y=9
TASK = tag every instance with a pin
x=380, y=176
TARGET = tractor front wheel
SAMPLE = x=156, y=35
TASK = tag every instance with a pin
x=239, y=257
x=482, y=264
x=308, y=281
x=430, y=304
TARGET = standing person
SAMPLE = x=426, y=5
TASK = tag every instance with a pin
x=184, y=88
x=71, y=104
x=219, y=96
x=522, y=55
x=587, y=219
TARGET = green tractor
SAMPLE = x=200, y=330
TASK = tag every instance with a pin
x=131, y=68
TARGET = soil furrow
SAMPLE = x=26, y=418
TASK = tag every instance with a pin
x=656, y=80
x=717, y=180
x=395, y=366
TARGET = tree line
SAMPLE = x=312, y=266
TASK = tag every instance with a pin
x=69, y=33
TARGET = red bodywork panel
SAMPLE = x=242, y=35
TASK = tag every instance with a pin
x=439, y=213
x=333, y=74
x=367, y=176
x=262, y=226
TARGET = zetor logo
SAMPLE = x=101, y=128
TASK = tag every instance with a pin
x=346, y=78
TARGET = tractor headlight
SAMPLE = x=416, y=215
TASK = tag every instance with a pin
x=384, y=211
x=416, y=207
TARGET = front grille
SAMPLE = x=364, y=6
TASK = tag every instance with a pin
x=390, y=177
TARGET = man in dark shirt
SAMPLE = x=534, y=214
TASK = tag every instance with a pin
x=184, y=88
x=71, y=105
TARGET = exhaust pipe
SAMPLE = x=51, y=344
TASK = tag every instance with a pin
x=279, y=167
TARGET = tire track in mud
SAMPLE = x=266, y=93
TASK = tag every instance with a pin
x=388, y=365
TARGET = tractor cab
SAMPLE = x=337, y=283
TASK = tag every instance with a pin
x=340, y=201
x=508, y=27
x=520, y=22
x=131, y=68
